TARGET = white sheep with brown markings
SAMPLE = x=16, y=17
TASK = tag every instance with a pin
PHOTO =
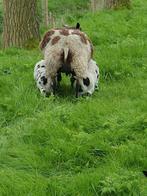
x=67, y=50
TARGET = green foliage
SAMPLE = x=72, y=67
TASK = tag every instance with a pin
x=1, y=21
x=119, y=185
x=87, y=146
x=61, y=6
x=31, y=43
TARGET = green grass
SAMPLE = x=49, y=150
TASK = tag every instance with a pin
x=87, y=146
x=60, y=6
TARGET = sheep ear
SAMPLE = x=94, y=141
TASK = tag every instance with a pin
x=78, y=25
x=86, y=81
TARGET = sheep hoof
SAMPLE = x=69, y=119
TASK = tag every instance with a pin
x=47, y=94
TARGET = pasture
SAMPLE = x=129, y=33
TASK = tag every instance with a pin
x=87, y=146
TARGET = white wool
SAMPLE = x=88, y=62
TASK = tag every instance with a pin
x=94, y=70
x=39, y=74
x=93, y=75
x=81, y=54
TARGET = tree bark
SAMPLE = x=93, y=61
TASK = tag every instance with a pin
x=20, y=22
x=45, y=13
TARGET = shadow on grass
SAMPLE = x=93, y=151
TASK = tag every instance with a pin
x=66, y=92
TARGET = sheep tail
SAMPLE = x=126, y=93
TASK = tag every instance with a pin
x=66, y=52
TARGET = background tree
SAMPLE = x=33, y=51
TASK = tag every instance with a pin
x=45, y=13
x=20, y=22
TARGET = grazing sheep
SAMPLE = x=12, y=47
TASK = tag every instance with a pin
x=68, y=51
x=94, y=70
x=44, y=84
x=88, y=84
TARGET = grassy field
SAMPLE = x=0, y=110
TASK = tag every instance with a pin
x=60, y=6
x=88, y=146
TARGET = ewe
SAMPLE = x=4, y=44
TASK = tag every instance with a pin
x=68, y=50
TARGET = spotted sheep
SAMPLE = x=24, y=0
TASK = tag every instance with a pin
x=86, y=85
x=43, y=83
x=90, y=83
x=67, y=50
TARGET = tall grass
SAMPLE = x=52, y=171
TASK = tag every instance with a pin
x=87, y=146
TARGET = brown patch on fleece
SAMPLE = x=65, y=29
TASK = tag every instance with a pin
x=55, y=40
x=76, y=32
x=64, y=32
x=82, y=36
x=46, y=39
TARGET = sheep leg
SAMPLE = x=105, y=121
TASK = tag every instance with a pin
x=54, y=86
x=59, y=78
x=77, y=88
x=72, y=79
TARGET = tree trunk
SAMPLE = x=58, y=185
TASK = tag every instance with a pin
x=45, y=13
x=20, y=22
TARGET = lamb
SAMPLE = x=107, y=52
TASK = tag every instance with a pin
x=66, y=50
x=43, y=83
x=94, y=71
x=88, y=84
